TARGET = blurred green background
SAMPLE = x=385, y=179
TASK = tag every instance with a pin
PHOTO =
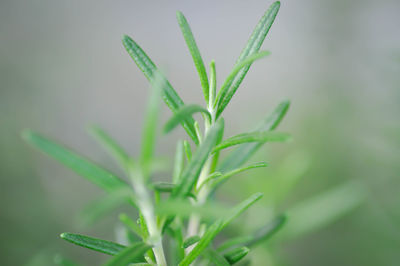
x=62, y=67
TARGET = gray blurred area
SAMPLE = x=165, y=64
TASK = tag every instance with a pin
x=63, y=67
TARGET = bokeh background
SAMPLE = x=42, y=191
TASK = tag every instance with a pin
x=62, y=67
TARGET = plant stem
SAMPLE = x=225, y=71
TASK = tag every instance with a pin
x=194, y=220
x=145, y=204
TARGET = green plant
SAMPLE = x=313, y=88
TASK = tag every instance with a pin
x=184, y=218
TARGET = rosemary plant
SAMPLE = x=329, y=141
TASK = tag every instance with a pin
x=176, y=223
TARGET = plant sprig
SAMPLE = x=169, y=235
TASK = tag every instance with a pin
x=179, y=210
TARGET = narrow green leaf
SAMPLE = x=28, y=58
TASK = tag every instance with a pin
x=211, y=177
x=213, y=85
x=130, y=224
x=240, y=208
x=198, y=131
x=208, y=236
x=253, y=46
x=216, y=258
x=224, y=93
x=260, y=31
x=258, y=236
x=217, y=226
x=194, y=51
x=143, y=226
x=241, y=154
x=150, y=126
x=183, y=113
x=170, y=97
x=260, y=136
x=192, y=170
x=221, y=178
x=321, y=210
x=234, y=243
x=110, y=146
x=164, y=186
x=214, y=175
x=168, y=187
x=267, y=231
x=188, y=150
x=178, y=162
x=274, y=119
x=96, y=244
x=190, y=241
x=98, y=209
x=79, y=164
x=236, y=254
x=133, y=253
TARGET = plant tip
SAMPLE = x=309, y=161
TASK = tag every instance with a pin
x=126, y=39
x=258, y=195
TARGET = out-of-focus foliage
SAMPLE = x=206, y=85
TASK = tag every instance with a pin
x=342, y=73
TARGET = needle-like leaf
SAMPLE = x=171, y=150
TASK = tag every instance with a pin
x=253, y=46
x=218, y=178
x=211, y=177
x=267, y=231
x=133, y=253
x=236, y=254
x=169, y=95
x=79, y=164
x=190, y=241
x=192, y=170
x=258, y=236
x=240, y=208
x=130, y=224
x=217, y=226
x=188, y=150
x=239, y=66
x=183, y=113
x=96, y=244
x=164, y=186
x=150, y=126
x=323, y=209
x=260, y=136
x=241, y=154
x=194, y=51
x=213, y=85
x=208, y=236
x=110, y=145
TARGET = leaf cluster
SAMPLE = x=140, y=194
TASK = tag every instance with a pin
x=180, y=211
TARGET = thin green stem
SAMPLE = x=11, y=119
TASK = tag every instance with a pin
x=146, y=206
x=193, y=228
